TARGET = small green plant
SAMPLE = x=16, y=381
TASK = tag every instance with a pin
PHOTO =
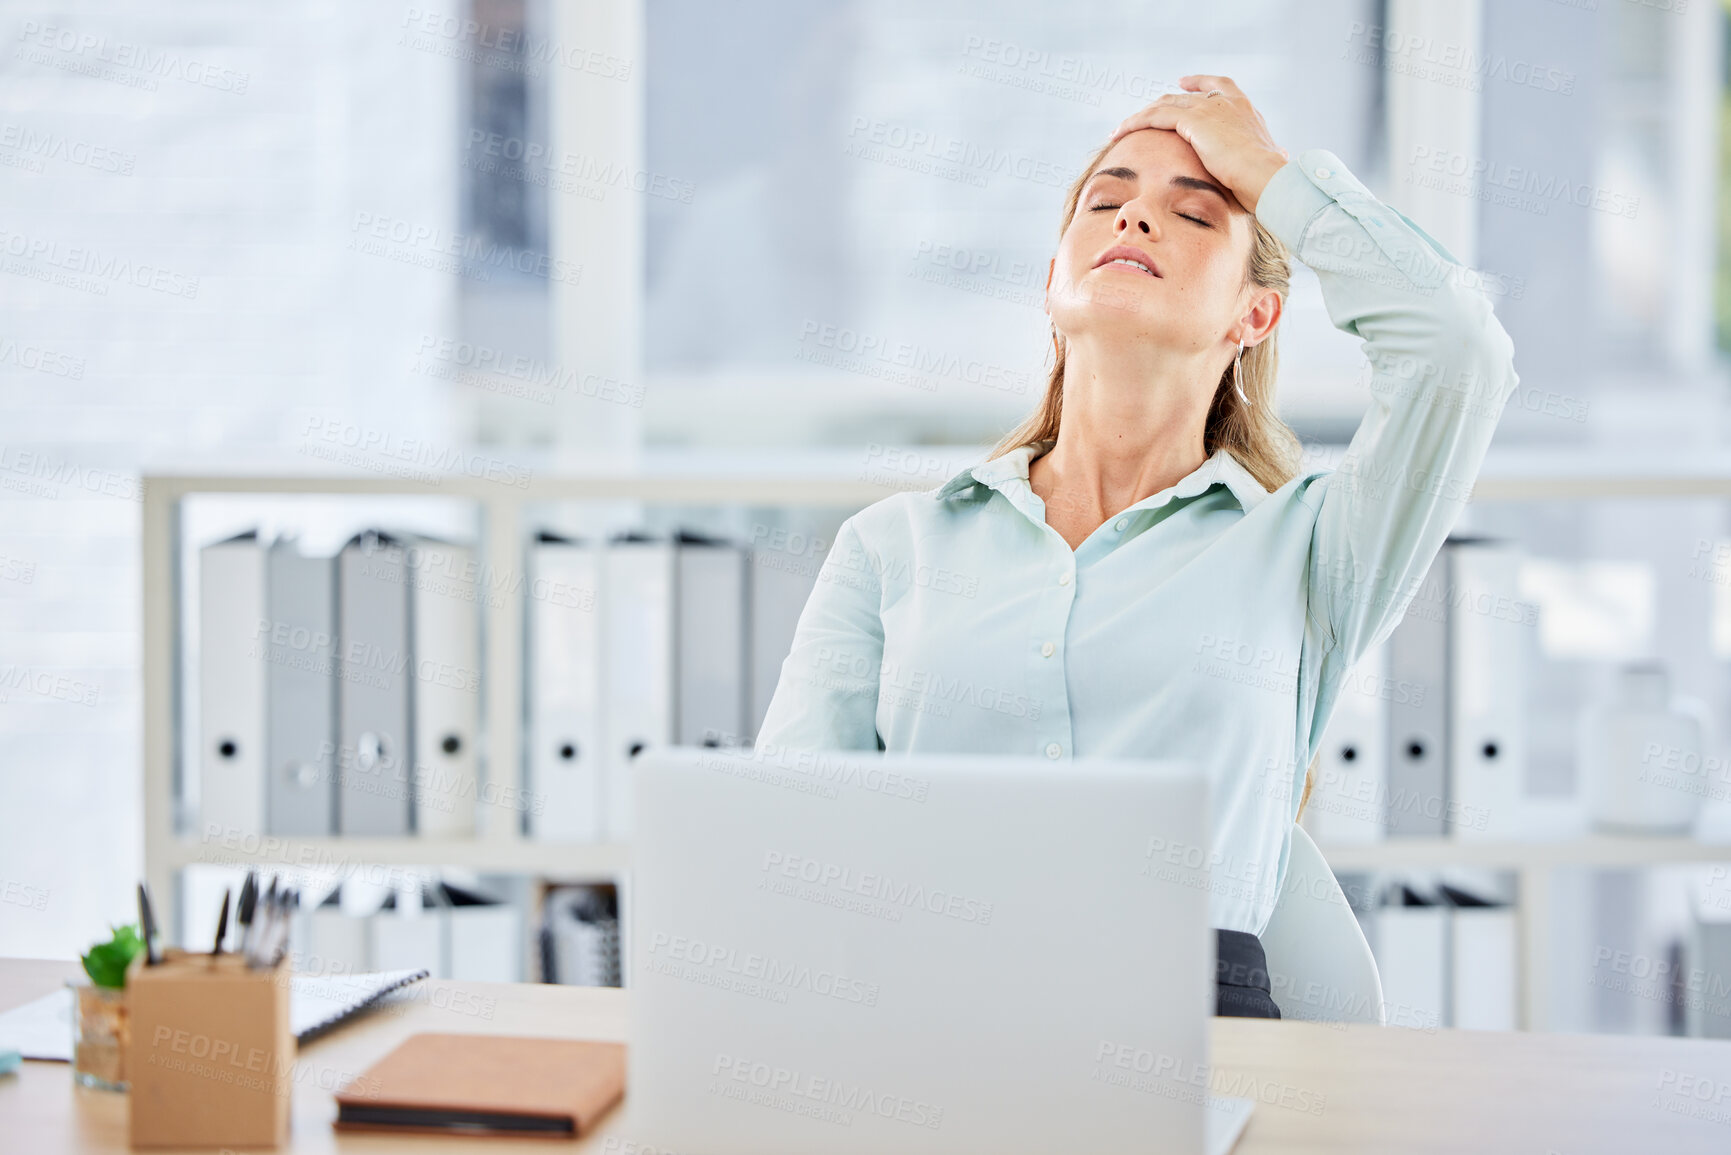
x=107, y=961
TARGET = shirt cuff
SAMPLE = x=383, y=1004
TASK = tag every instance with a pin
x=1290, y=200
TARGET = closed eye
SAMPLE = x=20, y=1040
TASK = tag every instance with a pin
x=1186, y=216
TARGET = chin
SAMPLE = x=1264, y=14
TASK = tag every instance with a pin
x=1104, y=304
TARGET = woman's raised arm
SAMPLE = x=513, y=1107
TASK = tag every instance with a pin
x=1441, y=371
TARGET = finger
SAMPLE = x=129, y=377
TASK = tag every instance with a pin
x=1167, y=100
x=1165, y=105
x=1160, y=115
x=1205, y=81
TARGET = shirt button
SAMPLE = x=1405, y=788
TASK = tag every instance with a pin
x=1046, y=650
x=1325, y=172
x=1063, y=579
x=1123, y=524
x=1053, y=750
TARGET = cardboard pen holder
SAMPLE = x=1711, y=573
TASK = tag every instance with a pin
x=212, y=1053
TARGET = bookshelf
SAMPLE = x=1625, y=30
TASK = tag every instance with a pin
x=1532, y=862
x=809, y=479
x=499, y=846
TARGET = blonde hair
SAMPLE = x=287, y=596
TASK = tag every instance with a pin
x=1255, y=435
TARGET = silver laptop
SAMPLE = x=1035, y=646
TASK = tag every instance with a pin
x=837, y=952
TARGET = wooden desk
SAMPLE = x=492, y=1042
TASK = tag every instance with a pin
x=1319, y=1088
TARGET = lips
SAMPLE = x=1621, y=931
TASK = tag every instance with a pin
x=1140, y=262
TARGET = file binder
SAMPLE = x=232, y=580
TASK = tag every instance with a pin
x=336, y=940
x=484, y=936
x=447, y=687
x=1418, y=725
x=1484, y=978
x=407, y=933
x=301, y=681
x=1707, y=959
x=711, y=638
x=638, y=656
x=232, y=638
x=1490, y=633
x=374, y=754
x=563, y=621
x=1412, y=957
x=1348, y=803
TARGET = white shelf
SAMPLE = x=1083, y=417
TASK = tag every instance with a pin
x=860, y=476
x=1535, y=473
x=763, y=489
x=560, y=860
x=1539, y=853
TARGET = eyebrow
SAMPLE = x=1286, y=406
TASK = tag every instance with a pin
x=1189, y=182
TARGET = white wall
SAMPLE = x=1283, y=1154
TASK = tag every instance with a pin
x=225, y=173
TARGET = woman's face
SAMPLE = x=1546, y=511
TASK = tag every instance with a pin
x=1151, y=195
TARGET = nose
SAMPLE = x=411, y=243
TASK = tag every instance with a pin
x=1132, y=213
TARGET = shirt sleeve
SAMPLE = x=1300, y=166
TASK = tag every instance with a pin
x=1441, y=371
x=827, y=695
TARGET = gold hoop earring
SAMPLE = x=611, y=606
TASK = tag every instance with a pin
x=1236, y=359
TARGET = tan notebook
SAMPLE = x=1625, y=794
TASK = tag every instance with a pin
x=486, y=1084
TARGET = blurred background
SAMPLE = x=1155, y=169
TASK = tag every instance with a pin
x=431, y=262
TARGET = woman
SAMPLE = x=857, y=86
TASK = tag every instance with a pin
x=1142, y=569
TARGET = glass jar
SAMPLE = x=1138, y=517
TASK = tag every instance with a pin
x=99, y=1034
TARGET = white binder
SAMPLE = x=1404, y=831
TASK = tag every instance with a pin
x=1412, y=959
x=710, y=698
x=336, y=939
x=484, y=936
x=638, y=654
x=232, y=635
x=780, y=583
x=407, y=933
x=1707, y=961
x=1348, y=802
x=1418, y=725
x=301, y=683
x=374, y=752
x=563, y=626
x=1484, y=975
x=447, y=687
x=1490, y=632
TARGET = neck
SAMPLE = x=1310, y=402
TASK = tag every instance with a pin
x=1133, y=424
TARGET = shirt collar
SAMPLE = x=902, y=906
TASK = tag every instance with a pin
x=1222, y=468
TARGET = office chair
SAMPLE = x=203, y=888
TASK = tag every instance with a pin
x=1319, y=964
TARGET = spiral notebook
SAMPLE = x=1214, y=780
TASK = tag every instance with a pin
x=320, y=1002
x=42, y=1028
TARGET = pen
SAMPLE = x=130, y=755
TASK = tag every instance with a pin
x=221, y=926
x=244, y=910
x=265, y=923
x=147, y=927
x=261, y=923
x=277, y=946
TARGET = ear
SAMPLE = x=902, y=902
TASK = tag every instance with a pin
x=1263, y=316
x=1047, y=303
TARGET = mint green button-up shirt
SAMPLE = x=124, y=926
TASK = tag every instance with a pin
x=1212, y=621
